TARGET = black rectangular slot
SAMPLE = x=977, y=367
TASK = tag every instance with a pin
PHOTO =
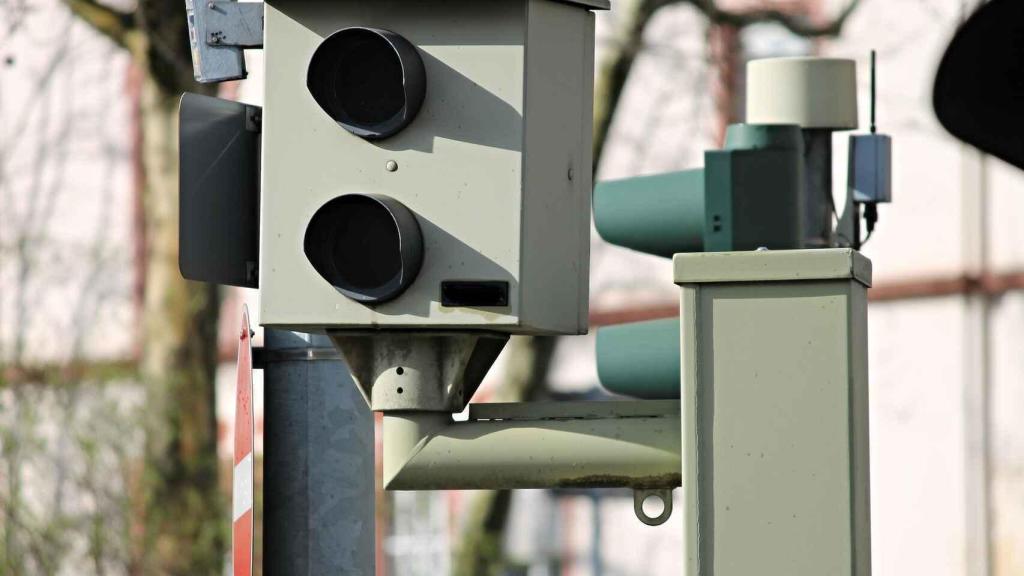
x=474, y=293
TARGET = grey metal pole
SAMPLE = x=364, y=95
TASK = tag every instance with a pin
x=596, y=561
x=818, y=190
x=318, y=462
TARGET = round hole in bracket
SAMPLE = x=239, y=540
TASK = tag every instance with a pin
x=653, y=506
x=645, y=503
x=400, y=370
x=400, y=390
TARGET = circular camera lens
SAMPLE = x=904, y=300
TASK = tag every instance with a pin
x=371, y=82
x=368, y=81
x=368, y=247
x=366, y=229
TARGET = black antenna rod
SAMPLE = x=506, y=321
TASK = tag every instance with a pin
x=873, y=93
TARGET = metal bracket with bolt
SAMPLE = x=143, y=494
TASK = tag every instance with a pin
x=218, y=32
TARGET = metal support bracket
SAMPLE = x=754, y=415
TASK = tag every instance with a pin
x=230, y=23
x=418, y=371
x=632, y=444
x=218, y=32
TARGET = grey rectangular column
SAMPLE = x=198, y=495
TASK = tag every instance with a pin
x=775, y=413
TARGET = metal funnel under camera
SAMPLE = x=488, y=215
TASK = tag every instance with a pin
x=422, y=371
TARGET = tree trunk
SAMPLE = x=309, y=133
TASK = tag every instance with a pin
x=480, y=551
x=185, y=523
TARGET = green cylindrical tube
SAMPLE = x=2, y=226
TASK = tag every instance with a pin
x=640, y=360
x=762, y=136
x=662, y=214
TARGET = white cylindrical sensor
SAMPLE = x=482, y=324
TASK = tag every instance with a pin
x=810, y=92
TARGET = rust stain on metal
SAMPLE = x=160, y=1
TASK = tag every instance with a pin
x=662, y=481
x=515, y=482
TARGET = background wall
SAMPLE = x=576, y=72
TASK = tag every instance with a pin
x=946, y=317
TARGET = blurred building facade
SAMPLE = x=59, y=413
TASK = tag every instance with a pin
x=946, y=316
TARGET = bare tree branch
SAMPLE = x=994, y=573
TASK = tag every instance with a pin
x=612, y=76
x=795, y=23
x=109, y=22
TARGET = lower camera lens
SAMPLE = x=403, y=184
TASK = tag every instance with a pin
x=368, y=247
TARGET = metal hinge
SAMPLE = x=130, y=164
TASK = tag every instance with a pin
x=230, y=23
x=218, y=32
x=254, y=119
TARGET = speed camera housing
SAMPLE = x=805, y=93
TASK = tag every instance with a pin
x=427, y=164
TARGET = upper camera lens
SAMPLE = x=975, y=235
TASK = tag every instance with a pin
x=372, y=82
x=368, y=81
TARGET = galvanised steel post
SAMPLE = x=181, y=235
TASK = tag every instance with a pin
x=318, y=462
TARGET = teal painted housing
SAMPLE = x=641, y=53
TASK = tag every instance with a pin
x=662, y=214
x=640, y=359
x=748, y=195
x=754, y=190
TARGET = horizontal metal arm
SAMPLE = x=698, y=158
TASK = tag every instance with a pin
x=632, y=444
x=262, y=357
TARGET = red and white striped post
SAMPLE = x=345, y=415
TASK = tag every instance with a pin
x=242, y=490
